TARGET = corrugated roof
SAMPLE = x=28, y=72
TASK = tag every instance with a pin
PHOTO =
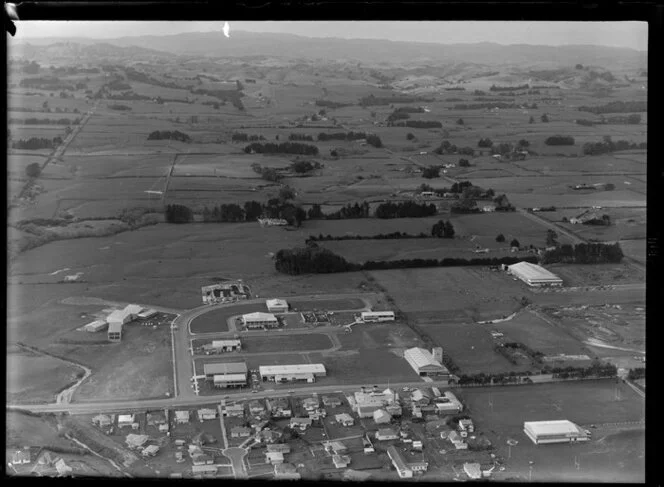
x=225, y=368
x=544, y=428
x=421, y=357
x=225, y=343
x=229, y=377
x=291, y=369
x=276, y=302
x=259, y=316
x=115, y=327
x=532, y=272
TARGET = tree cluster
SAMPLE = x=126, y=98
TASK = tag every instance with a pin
x=47, y=83
x=33, y=170
x=118, y=85
x=311, y=260
x=608, y=145
x=480, y=106
x=380, y=236
x=302, y=167
x=322, y=137
x=617, y=107
x=178, y=214
x=330, y=104
x=372, y=100
x=405, y=209
x=346, y=212
x=36, y=143
x=584, y=253
x=442, y=229
x=169, y=135
x=242, y=137
x=559, y=140
x=637, y=373
x=45, y=121
x=419, y=124
x=31, y=68
x=301, y=137
x=282, y=148
x=431, y=172
x=374, y=141
x=485, y=143
x=509, y=88
x=134, y=75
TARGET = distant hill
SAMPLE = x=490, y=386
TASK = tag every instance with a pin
x=242, y=44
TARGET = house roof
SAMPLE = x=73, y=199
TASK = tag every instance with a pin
x=226, y=343
x=182, y=414
x=126, y=418
x=259, y=316
x=240, y=429
x=225, y=368
x=532, y=272
x=276, y=302
x=422, y=358
x=151, y=449
x=397, y=458
x=343, y=417
x=114, y=327
x=306, y=421
x=386, y=432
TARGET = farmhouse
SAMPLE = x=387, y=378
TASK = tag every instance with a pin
x=563, y=431
x=373, y=316
x=489, y=208
x=21, y=457
x=534, y=275
x=233, y=345
x=222, y=375
x=291, y=373
x=259, y=320
x=277, y=305
x=424, y=364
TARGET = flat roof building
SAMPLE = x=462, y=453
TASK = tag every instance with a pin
x=231, y=374
x=96, y=326
x=227, y=345
x=377, y=316
x=534, y=275
x=562, y=431
x=277, y=305
x=260, y=320
x=423, y=363
x=289, y=373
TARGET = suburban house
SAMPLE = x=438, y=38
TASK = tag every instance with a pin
x=367, y=403
x=259, y=320
x=301, y=423
x=182, y=417
x=256, y=408
x=345, y=419
x=206, y=414
x=405, y=468
x=279, y=447
x=150, y=451
x=234, y=411
x=102, y=420
x=274, y=457
x=336, y=447
x=286, y=471
x=21, y=457
x=458, y=442
x=240, y=432
x=331, y=401
x=341, y=461
x=125, y=420
x=385, y=434
x=420, y=397
x=202, y=459
x=136, y=441
x=466, y=425
x=381, y=416
x=204, y=471
x=310, y=403
x=268, y=436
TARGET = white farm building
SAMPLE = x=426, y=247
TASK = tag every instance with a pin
x=277, y=305
x=563, y=431
x=260, y=320
x=291, y=373
x=534, y=275
x=423, y=363
x=370, y=316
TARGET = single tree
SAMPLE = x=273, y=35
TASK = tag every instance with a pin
x=551, y=238
x=544, y=118
x=464, y=163
x=33, y=170
x=500, y=237
x=515, y=243
x=460, y=121
x=286, y=193
x=410, y=136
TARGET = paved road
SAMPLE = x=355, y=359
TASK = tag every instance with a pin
x=236, y=456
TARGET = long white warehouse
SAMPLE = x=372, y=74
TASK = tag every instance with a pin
x=377, y=315
x=562, y=431
x=423, y=363
x=290, y=373
x=534, y=275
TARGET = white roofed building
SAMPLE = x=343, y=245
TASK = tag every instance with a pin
x=423, y=363
x=534, y=275
x=277, y=305
x=231, y=345
x=260, y=320
x=96, y=326
x=290, y=373
x=562, y=431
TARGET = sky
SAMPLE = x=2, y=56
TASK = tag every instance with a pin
x=617, y=34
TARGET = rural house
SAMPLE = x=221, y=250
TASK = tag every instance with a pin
x=341, y=461
x=21, y=457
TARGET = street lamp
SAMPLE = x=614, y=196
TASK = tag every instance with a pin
x=530, y=472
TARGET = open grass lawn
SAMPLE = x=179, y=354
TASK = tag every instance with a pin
x=635, y=249
x=471, y=347
x=22, y=429
x=532, y=331
x=138, y=367
x=480, y=293
x=327, y=304
x=597, y=274
x=610, y=456
x=27, y=381
x=365, y=365
x=304, y=343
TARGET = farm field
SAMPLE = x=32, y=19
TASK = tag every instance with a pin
x=138, y=367
x=635, y=249
x=585, y=402
x=27, y=383
x=597, y=274
x=476, y=292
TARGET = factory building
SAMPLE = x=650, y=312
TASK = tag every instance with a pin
x=226, y=345
x=120, y=317
x=260, y=320
x=292, y=373
x=534, y=275
x=563, y=431
x=277, y=305
x=423, y=363
x=377, y=316
x=225, y=375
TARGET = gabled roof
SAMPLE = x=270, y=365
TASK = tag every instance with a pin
x=225, y=368
x=532, y=272
x=422, y=358
x=259, y=316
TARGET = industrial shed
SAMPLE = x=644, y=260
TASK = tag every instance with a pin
x=226, y=374
x=563, y=431
x=260, y=320
x=534, y=275
x=423, y=363
x=277, y=305
x=227, y=345
x=288, y=373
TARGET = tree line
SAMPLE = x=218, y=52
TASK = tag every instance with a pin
x=315, y=260
x=405, y=209
x=331, y=104
x=559, y=140
x=608, y=145
x=634, y=119
x=322, y=137
x=501, y=105
x=584, y=253
x=509, y=88
x=417, y=124
x=282, y=148
x=36, y=143
x=232, y=212
x=301, y=137
x=616, y=107
x=438, y=230
x=372, y=100
x=169, y=135
x=242, y=137
x=45, y=121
